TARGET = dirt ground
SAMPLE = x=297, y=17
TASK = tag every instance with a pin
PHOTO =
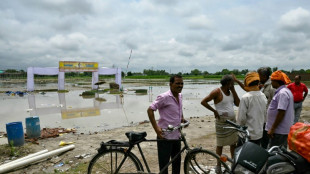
x=200, y=133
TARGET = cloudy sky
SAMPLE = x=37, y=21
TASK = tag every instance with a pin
x=171, y=35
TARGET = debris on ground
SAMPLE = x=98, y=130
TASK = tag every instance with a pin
x=63, y=143
x=54, y=132
x=83, y=156
x=2, y=134
x=15, y=93
x=50, y=133
x=59, y=164
x=143, y=122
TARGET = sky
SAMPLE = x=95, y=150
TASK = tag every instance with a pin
x=172, y=35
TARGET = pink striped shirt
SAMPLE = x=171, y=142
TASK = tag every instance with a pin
x=170, y=112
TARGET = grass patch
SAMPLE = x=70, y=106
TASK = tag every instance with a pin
x=141, y=91
x=8, y=152
x=46, y=90
x=88, y=93
x=80, y=168
x=63, y=91
x=115, y=91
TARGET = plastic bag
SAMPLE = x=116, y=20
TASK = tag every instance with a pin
x=299, y=139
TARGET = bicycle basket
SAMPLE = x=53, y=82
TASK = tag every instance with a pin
x=251, y=157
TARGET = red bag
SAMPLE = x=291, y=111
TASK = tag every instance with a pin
x=299, y=139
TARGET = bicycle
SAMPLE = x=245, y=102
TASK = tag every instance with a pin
x=117, y=156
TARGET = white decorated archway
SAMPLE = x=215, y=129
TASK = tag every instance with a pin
x=31, y=71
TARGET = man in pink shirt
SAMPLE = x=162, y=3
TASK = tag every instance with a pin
x=300, y=92
x=169, y=105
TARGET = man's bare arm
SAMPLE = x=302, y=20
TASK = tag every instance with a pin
x=305, y=95
x=157, y=129
x=239, y=82
x=236, y=98
x=279, y=118
x=207, y=99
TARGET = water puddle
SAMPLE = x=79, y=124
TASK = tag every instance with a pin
x=102, y=112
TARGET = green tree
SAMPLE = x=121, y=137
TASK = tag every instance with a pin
x=244, y=71
x=205, y=73
x=11, y=71
x=195, y=72
x=236, y=71
x=225, y=71
x=129, y=73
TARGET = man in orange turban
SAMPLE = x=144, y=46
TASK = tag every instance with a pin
x=280, y=76
x=252, y=108
x=280, y=114
x=250, y=78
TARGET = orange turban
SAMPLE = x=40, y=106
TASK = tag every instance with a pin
x=279, y=75
x=249, y=78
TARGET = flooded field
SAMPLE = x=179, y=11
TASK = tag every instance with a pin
x=102, y=112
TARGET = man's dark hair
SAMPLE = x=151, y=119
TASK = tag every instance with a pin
x=254, y=83
x=299, y=77
x=174, y=76
x=226, y=79
x=265, y=71
x=280, y=82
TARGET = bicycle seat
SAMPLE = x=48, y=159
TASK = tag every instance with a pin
x=135, y=136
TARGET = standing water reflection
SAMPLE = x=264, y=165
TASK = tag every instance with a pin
x=104, y=111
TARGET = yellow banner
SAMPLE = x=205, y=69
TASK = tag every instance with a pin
x=76, y=113
x=72, y=66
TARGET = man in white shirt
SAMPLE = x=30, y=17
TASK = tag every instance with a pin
x=252, y=108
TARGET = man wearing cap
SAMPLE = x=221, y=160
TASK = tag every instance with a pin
x=280, y=114
x=300, y=92
x=252, y=108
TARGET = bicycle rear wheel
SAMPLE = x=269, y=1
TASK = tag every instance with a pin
x=108, y=162
x=204, y=161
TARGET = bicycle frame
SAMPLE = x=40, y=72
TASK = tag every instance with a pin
x=130, y=147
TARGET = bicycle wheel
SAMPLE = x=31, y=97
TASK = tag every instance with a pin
x=108, y=162
x=204, y=161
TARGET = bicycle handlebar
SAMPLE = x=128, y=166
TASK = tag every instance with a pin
x=170, y=128
x=236, y=125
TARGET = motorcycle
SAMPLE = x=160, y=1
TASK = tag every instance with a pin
x=251, y=158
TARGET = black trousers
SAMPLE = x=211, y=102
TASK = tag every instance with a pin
x=265, y=140
x=278, y=140
x=166, y=150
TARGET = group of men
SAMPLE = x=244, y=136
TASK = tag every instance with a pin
x=268, y=108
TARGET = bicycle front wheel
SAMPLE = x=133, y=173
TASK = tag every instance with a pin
x=109, y=161
x=204, y=161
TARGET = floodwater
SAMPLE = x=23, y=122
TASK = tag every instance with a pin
x=103, y=112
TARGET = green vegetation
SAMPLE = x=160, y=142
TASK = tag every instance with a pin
x=7, y=151
x=141, y=91
x=14, y=151
x=146, y=74
x=79, y=168
x=88, y=93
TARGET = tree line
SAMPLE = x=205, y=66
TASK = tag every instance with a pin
x=151, y=72
x=196, y=72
